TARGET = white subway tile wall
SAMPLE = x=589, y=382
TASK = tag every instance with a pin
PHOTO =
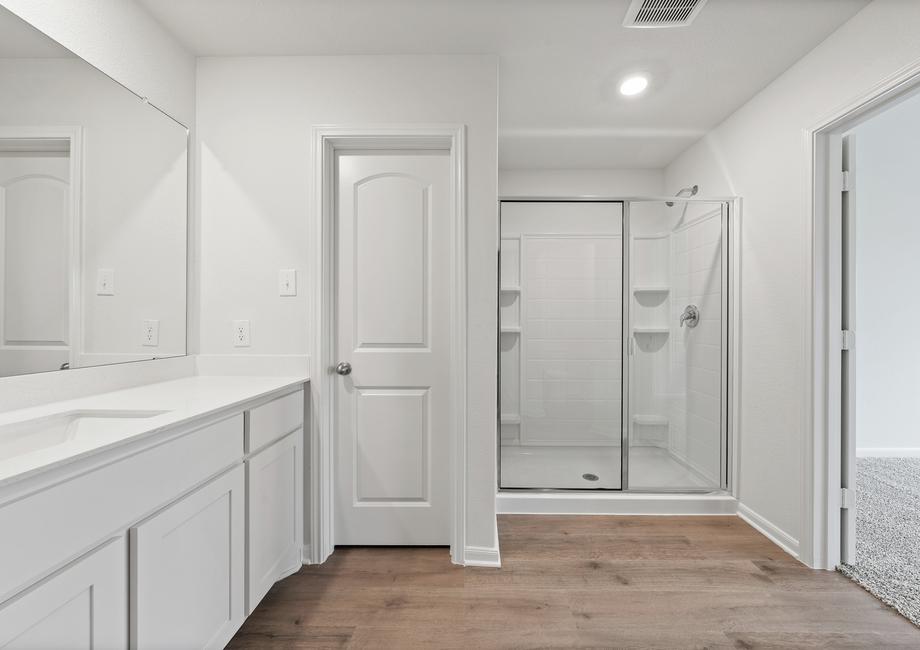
x=572, y=339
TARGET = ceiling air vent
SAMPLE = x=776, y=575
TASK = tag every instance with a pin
x=662, y=13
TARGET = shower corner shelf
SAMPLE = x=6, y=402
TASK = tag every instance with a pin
x=511, y=330
x=651, y=330
x=510, y=289
x=510, y=418
x=651, y=289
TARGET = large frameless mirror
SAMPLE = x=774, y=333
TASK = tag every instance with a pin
x=93, y=214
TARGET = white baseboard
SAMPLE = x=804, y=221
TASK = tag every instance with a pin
x=772, y=532
x=888, y=452
x=306, y=554
x=555, y=503
x=482, y=556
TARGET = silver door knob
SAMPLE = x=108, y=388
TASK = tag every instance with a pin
x=691, y=316
x=343, y=368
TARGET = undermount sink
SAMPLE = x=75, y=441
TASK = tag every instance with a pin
x=31, y=435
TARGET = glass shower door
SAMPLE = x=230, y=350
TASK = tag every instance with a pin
x=561, y=344
x=678, y=262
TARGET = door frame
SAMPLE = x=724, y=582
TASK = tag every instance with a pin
x=328, y=140
x=823, y=452
x=74, y=134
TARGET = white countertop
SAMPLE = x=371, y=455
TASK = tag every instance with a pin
x=182, y=399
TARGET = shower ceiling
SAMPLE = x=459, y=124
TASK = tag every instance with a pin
x=560, y=61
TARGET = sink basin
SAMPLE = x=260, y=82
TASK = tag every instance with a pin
x=31, y=435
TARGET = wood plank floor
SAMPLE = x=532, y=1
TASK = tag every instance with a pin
x=603, y=582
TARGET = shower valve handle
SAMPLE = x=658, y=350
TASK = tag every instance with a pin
x=691, y=316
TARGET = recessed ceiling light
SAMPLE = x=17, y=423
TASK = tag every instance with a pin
x=633, y=85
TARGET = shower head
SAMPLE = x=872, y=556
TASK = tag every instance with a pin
x=687, y=191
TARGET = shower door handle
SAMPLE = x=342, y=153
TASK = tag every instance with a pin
x=691, y=316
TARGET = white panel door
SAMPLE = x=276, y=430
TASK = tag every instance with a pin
x=393, y=255
x=85, y=605
x=187, y=569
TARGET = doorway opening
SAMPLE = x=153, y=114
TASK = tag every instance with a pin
x=874, y=383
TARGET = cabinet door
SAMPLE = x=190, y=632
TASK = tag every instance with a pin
x=187, y=569
x=275, y=528
x=84, y=605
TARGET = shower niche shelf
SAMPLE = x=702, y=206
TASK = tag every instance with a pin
x=651, y=331
x=643, y=290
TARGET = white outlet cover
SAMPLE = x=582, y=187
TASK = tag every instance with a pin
x=287, y=282
x=241, y=333
x=105, y=282
x=150, y=336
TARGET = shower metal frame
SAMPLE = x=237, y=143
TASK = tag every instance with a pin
x=730, y=303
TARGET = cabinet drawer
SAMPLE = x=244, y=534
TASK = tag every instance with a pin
x=274, y=420
x=52, y=526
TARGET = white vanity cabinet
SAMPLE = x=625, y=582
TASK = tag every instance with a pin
x=169, y=542
x=84, y=605
x=187, y=569
x=274, y=492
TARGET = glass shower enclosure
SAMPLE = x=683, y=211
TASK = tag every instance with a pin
x=613, y=345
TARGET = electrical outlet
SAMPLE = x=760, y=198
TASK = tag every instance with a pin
x=287, y=282
x=105, y=282
x=151, y=335
x=241, y=333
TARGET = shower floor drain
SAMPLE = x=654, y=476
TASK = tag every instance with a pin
x=589, y=477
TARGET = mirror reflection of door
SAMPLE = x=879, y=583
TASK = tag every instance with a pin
x=34, y=254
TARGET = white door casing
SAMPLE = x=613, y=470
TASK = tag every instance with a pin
x=847, y=360
x=392, y=428
x=327, y=142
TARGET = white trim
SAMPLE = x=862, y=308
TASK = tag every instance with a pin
x=888, y=452
x=326, y=141
x=306, y=555
x=587, y=503
x=820, y=543
x=772, y=532
x=482, y=556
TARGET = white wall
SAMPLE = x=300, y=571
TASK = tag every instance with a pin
x=254, y=145
x=580, y=182
x=120, y=38
x=760, y=153
x=885, y=165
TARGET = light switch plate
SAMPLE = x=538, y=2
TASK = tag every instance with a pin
x=105, y=282
x=241, y=333
x=151, y=333
x=287, y=282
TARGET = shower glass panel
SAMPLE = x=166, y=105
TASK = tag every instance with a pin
x=561, y=344
x=677, y=378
